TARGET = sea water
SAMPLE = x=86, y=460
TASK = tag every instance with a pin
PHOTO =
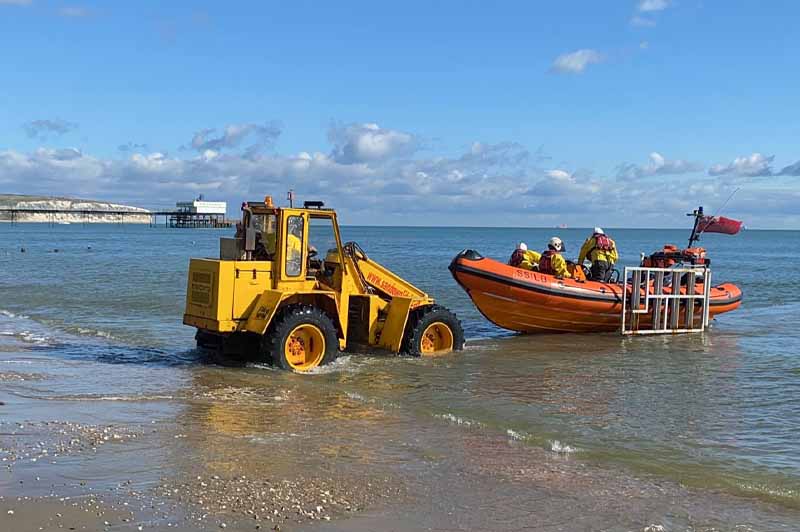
x=90, y=328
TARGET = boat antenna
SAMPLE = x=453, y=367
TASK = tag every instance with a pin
x=698, y=214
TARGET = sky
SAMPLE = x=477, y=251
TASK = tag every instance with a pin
x=620, y=114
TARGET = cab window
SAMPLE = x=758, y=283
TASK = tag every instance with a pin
x=294, y=246
x=321, y=236
x=265, y=226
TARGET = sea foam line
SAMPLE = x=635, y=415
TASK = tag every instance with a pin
x=457, y=420
x=555, y=446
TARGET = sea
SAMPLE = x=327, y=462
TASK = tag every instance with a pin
x=91, y=330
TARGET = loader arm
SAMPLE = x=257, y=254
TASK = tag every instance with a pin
x=380, y=278
x=399, y=297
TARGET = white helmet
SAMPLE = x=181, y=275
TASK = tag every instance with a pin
x=599, y=231
x=556, y=244
x=522, y=246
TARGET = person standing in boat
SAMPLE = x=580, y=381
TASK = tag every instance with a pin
x=552, y=263
x=524, y=258
x=602, y=253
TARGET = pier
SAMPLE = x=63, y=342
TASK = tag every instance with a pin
x=174, y=218
x=194, y=214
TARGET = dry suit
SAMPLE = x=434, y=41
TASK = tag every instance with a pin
x=527, y=260
x=552, y=263
x=602, y=252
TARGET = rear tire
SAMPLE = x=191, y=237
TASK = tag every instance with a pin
x=431, y=331
x=301, y=338
x=208, y=341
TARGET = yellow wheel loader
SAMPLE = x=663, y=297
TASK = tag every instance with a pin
x=272, y=293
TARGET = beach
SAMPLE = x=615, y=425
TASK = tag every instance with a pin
x=112, y=419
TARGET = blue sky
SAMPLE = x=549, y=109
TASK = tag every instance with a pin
x=623, y=113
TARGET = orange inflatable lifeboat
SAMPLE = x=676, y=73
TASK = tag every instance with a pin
x=532, y=302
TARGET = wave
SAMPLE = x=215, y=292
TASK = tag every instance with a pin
x=94, y=332
x=342, y=363
x=94, y=397
x=9, y=314
x=561, y=448
x=457, y=420
x=555, y=446
x=15, y=376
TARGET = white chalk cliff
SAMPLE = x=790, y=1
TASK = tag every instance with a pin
x=14, y=201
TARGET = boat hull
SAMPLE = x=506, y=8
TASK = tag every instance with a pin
x=532, y=302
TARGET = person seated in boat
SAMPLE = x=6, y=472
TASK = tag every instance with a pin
x=552, y=262
x=525, y=258
x=601, y=251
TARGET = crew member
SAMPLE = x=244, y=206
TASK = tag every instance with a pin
x=294, y=246
x=552, y=263
x=601, y=252
x=525, y=258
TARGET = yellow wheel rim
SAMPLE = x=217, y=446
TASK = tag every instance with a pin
x=305, y=347
x=437, y=339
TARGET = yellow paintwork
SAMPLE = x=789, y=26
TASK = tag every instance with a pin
x=437, y=338
x=227, y=296
x=391, y=336
x=304, y=347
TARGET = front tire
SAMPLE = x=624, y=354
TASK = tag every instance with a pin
x=301, y=338
x=431, y=331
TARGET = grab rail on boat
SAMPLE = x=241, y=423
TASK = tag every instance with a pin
x=647, y=309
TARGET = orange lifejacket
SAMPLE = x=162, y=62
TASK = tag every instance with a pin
x=546, y=262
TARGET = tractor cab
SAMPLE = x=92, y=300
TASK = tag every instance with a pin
x=288, y=238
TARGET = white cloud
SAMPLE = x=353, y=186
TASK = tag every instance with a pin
x=657, y=165
x=485, y=183
x=577, y=61
x=755, y=165
x=43, y=129
x=369, y=142
x=648, y=6
x=561, y=175
x=234, y=135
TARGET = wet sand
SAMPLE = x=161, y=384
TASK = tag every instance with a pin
x=105, y=437
x=62, y=475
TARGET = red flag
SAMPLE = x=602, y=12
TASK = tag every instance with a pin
x=718, y=224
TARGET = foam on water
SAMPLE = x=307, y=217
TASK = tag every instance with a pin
x=94, y=332
x=561, y=448
x=122, y=398
x=21, y=327
x=344, y=363
x=457, y=420
x=516, y=435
